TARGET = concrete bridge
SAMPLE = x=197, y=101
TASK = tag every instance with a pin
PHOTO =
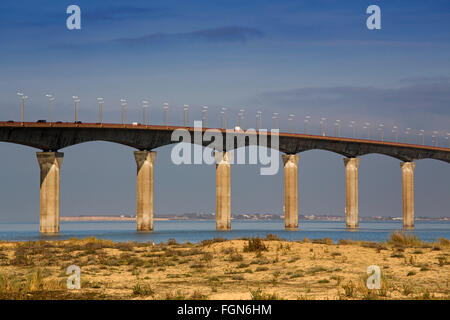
x=52, y=137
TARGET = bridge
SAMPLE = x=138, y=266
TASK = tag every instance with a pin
x=50, y=138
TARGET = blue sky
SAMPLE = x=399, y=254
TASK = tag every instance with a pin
x=312, y=58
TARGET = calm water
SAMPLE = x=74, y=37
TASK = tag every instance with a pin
x=195, y=231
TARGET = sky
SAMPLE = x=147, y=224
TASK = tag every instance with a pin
x=311, y=58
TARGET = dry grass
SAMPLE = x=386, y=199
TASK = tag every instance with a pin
x=255, y=268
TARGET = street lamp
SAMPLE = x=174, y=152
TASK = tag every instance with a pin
x=337, y=128
x=422, y=133
x=367, y=126
x=205, y=116
x=100, y=110
x=436, y=138
x=186, y=115
x=145, y=111
x=76, y=100
x=291, y=123
x=324, y=123
x=408, y=139
x=306, y=124
x=124, y=104
x=275, y=120
x=22, y=97
x=353, y=126
x=242, y=115
x=223, y=119
x=448, y=138
x=50, y=100
x=395, y=133
x=381, y=129
x=258, y=120
x=166, y=113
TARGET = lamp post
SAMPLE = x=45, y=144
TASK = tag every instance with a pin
x=436, y=138
x=381, y=129
x=275, y=120
x=223, y=119
x=422, y=133
x=395, y=133
x=205, y=116
x=186, y=115
x=76, y=100
x=145, y=112
x=50, y=100
x=258, y=120
x=353, y=126
x=291, y=123
x=448, y=138
x=408, y=137
x=242, y=112
x=338, y=127
x=324, y=126
x=124, y=104
x=100, y=110
x=22, y=98
x=166, y=113
x=307, y=124
x=367, y=126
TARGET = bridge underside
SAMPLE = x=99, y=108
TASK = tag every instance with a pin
x=56, y=138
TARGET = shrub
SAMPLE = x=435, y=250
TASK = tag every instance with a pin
x=349, y=289
x=197, y=295
x=323, y=241
x=255, y=245
x=258, y=294
x=211, y=241
x=172, y=242
x=207, y=256
x=262, y=269
x=243, y=265
x=402, y=239
x=234, y=257
x=272, y=237
x=444, y=242
x=142, y=290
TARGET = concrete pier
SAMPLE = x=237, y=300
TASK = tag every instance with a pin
x=351, y=192
x=145, y=161
x=50, y=165
x=408, y=194
x=223, y=190
x=290, y=191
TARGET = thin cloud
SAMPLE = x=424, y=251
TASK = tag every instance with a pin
x=124, y=12
x=222, y=34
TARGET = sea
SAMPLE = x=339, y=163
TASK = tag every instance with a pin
x=195, y=230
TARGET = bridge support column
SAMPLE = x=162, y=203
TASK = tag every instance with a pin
x=145, y=161
x=408, y=194
x=290, y=191
x=223, y=190
x=50, y=165
x=351, y=192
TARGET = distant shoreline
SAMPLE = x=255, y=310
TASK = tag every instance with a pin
x=239, y=217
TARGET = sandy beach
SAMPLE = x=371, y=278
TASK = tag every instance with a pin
x=226, y=269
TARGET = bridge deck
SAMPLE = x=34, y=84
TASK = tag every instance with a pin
x=58, y=135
